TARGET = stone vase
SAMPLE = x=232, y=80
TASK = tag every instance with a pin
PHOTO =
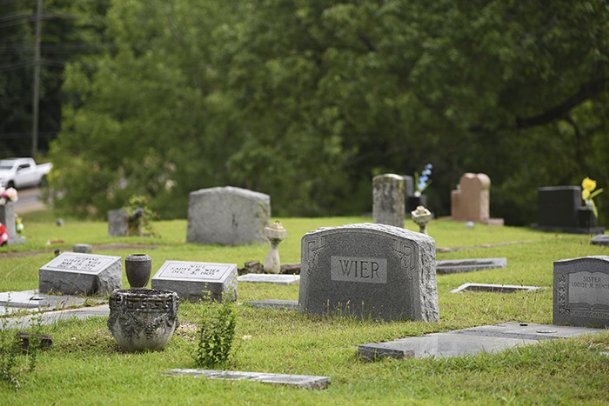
x=137, y=268
x=143, y=319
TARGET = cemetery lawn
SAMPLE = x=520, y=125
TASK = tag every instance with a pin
x=84, y=366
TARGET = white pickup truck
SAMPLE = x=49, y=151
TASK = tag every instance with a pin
x=22, y=172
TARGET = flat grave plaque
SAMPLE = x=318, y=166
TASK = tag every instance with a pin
x=489, y=287
x=196, y=280
x=274, y=304
x=303, y=381
x=601, y=239
x=31, y=299
x=270, y=278
x=449, y=266
x=74, y=273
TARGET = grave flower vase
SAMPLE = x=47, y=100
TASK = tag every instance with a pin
x=137, y=268
x=143, y=319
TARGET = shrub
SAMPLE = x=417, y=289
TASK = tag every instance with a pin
x=216, y=333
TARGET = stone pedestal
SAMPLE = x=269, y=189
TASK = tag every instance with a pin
x=275, y=234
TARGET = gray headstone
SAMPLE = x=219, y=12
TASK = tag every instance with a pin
x=302, y=381
x=83, y=248
x=118, y=224
x=197, y=280
x=8, y=217
x=601, y=239
x=448, y=266
x=388, y=200
x=581, y=291
x=270, y=278
x=369, y=270
x=74, y=273
x=228, y=216
x=408, y=186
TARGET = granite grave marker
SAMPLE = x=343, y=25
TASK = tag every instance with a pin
x=388, y=200
x=471, y=200
x=581, y=291
x=369, y=270
x=560, y=208
x=73, y=273
x=8, y=218
x=227, y=216
x=197, y=280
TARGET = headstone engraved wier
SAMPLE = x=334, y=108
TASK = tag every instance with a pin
x=369, y=270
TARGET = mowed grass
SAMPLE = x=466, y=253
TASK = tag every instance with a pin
x=86, y=367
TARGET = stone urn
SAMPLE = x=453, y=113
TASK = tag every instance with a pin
x=137, y=268
x=421, y=216
x=275, y=234
x=143, y=319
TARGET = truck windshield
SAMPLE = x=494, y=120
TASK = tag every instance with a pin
x=4, y=164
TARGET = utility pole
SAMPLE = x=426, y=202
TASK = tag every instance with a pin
x=36, y=79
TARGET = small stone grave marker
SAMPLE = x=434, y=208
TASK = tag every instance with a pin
x=8, y=218
x=274, y=304
x=227, y=215
x=270, y=278
x=601, y=239
x=449, y=266
x=489, y=287
x=369, y=270
x=388, y=200
x=581, y=291
x=118, y=224
x=302, y=381
x=73, y=273
x=83, y=248
x=31, y=299
x=197, y=280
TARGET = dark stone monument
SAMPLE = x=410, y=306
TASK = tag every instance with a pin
x=581, y=291
x=369, y=270
x=560, y=209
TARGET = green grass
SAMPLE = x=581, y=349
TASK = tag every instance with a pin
x=85, y=366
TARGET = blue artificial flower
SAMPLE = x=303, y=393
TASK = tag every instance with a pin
x=429, y=166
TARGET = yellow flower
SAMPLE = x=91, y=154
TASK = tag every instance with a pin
x=588, y=184
x=585, y=194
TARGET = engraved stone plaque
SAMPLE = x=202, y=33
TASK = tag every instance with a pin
x=74, y=273
x=581, y=291
x=197, y=280
x=369, y=270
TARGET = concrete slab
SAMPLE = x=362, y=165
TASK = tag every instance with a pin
x=277, y=279
x=601, y=239
x=55, y=316
x=489, y=287
x=302, y=381
x=439, y=345
x=274, y=304
x=31, y=299
x=449, y=266
x=529, y=331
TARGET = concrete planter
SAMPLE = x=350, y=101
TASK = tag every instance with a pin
x=143, y=319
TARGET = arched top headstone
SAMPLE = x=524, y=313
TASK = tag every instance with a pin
x=369, y=270
x=227, y=215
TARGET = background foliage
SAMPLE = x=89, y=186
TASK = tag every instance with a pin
x=307, y=100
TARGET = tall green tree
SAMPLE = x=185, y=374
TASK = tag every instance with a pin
x=307, y=100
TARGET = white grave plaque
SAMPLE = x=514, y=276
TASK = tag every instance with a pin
x=74, y=273
x=196, y=280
